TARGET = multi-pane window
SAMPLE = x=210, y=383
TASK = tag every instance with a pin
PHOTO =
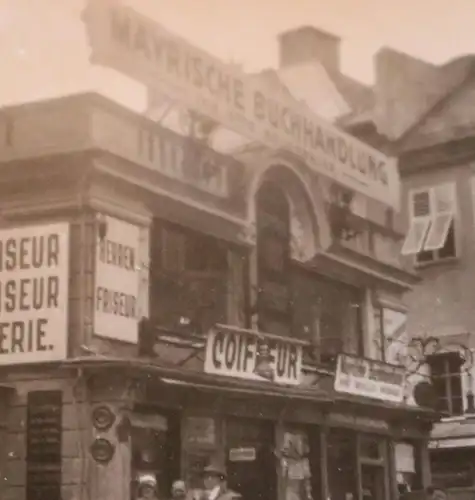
x=389, y=337
x=432, y=214
x=446, y=375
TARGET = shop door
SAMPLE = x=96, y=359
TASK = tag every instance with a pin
x=251, y=463
x=372, y=482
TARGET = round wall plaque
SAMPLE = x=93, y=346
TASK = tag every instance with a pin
x=102, y=418
x=102, y=451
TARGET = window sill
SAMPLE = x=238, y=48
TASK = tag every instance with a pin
x=449, y=261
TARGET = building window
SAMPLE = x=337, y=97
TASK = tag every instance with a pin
x=186, y=250
x=189, y=278
x=274, y=303
x=432, y=232
x=446, y=375
x=389, y=338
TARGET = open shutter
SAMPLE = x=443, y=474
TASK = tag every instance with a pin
x=443, y=216
x=420, y=220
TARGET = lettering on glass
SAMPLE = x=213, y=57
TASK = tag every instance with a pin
x=33, y=293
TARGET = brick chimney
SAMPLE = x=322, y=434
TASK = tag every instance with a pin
x=305, y=44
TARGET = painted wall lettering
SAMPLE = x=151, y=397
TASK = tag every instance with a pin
x=34, y=265
x=117, y=281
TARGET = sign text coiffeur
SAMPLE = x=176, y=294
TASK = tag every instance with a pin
x=140, y=48
x=234, y=352
x=117, y=281
x=34, y=275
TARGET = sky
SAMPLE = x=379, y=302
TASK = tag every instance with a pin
x=44, y=52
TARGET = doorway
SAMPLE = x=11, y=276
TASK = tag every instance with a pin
x=372, y=482
x=250, y=458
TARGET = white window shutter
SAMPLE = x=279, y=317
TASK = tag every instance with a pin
x=420, y=204
x=444, y=204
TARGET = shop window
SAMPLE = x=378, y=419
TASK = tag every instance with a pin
x=156, y=448
x=446, y=376
x=342, y=465
x=453, y=468
x=432, y=231
x=296, y=460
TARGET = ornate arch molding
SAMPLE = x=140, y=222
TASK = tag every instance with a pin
x=309, y=227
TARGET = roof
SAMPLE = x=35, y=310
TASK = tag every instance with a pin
x=432, y=87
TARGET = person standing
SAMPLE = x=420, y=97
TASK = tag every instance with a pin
x=214, y=479
x=147, y=488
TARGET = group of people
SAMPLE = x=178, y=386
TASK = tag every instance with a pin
x=214, y=482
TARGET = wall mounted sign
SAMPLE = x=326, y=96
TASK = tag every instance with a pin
x=34, y=283
x=370, y=378
x=140, y=48
x=242, y=454
x=234, y=352
x=117, y=281
x=43, y=445
x=103, y=418
x=356, y=421
x=102, y=451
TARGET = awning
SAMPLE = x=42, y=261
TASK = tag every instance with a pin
x=198, y=379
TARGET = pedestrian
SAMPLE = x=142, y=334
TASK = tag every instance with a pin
x=215, y=483
x=434, y=493
x=179, y=491
x=147, y=487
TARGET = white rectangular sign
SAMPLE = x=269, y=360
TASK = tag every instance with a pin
x=370, y=378
x=140, y=48
x=117, y=281
x=34, y=279
x=236, y=352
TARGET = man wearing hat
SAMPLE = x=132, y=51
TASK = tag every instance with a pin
x=214, y=479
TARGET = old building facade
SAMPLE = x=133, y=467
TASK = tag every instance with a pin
x=426, y=118
x=166, y=306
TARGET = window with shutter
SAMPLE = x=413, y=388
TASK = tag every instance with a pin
x=431, y=234
x=446, y=375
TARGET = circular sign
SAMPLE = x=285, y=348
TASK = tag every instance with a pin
x=102, y=418
x=102, y=451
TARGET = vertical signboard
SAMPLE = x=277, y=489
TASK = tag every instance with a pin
x=34, y=276
x=43, y=445
x=117, y=281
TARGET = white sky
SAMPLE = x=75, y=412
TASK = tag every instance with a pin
x=43, y=50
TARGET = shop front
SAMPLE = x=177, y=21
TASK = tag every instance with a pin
x=275, y=440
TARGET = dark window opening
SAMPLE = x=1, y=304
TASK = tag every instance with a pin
x=274, y=299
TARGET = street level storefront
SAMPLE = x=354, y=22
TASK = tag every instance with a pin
x=115, y=418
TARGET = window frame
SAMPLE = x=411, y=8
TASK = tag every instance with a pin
x=448, y=376
x=451, y=229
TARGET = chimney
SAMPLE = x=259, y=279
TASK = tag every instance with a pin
x=305, y=44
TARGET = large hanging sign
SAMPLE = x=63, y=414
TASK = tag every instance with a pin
x=34, y=284
x=140, y=48
x=117, y=281
x=240, y=353
x=370, y=378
